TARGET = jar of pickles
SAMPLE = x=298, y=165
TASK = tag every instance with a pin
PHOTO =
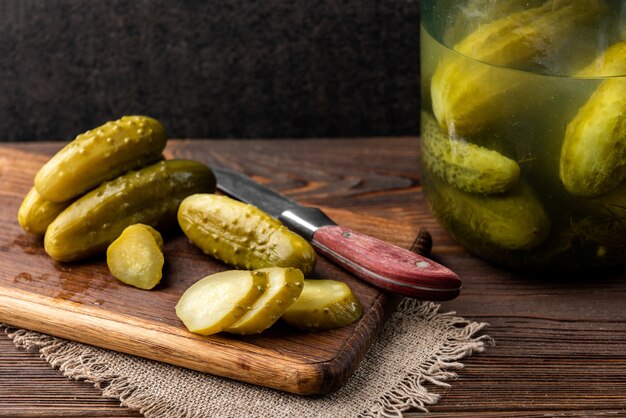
x=523, y=128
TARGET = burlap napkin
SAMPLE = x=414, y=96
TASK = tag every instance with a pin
x=418, y=350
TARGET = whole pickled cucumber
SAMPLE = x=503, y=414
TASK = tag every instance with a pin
x=242, y=235
x=323, y=305
x=610, y=63
x=593, y=154
x=150, y=196
x=473, y=13
x=99, y=155
x=468, y=96
x=515, y=220
x=463, y=165
x=36, y=213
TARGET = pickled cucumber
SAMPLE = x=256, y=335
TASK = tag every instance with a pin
x=217, y=301
x=99, y=155
x=242, y=235
x=465, y=166
x=593, y=154
x=283, y=288
x=323, y=305
x=36, y=213
x=468, y=96
x=478, y=12
x=136, y=256
x=150, y=196
x=610, y=63
x=515, y=220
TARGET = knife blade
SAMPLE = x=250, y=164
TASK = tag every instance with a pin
x=380, y=263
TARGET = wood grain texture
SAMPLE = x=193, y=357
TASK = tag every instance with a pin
x=81, y=301
x=560, y=340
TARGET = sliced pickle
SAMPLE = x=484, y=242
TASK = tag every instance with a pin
x=283, y=288
x=323, y=305
x=136, y=257
x=218, y=301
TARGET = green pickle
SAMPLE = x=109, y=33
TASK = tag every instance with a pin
x=242, y=235
x=468, y=96
x=36, y=213
x=523, y=129
x=515, y=220
x=149, y=196
x=466, y=166
x=99, y=155
x=593, y=155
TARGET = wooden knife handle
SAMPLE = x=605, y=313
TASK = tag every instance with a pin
x=386, y=266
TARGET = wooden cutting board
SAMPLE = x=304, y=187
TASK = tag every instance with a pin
x=83, y=302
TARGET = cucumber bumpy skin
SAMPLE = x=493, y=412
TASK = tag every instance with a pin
x=150, y=196
x=593, y=154
x=136, y=257
x=242, y=235
x=323, y=305
x=468, y=96
x=36, y=213
x=99, y=155
x=515, y=220
x=466, y=166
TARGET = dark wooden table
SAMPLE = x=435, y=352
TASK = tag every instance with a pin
x=560, y=341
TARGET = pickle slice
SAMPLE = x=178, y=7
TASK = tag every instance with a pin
x=323, y=305
x=136, y=257
x=284, y=287
x=217, y=301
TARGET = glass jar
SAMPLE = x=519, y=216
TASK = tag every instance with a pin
x=523, y=128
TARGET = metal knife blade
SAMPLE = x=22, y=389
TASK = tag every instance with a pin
x=379, y=263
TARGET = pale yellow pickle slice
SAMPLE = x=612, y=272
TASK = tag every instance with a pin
x=284, y=287
x=136, y=257
x=217, y=301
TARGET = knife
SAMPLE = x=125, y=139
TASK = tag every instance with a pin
x=379, y=263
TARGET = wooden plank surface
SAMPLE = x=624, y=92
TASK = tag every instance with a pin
x=560, y=340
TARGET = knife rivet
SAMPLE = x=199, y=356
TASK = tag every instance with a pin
x=422, y=264
x=346, y=235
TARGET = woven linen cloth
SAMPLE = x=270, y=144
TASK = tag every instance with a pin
x=418, y=350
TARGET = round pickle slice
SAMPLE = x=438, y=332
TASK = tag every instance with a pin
x=136, y=257
x=217, y=301
x=323, y=305
x=284, y=287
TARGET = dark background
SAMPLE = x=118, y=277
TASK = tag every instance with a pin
x=231, y=68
